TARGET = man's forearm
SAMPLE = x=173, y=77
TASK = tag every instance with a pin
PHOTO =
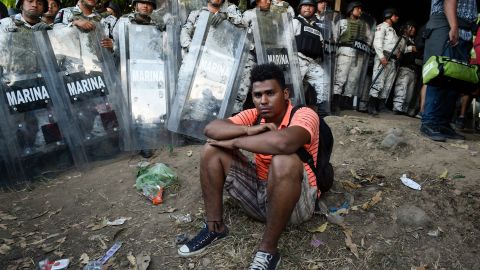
x=224, y=130
x=450, y=7
x=273, y=142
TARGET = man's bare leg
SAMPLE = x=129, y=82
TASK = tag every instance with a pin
x=214, y=166
x=283, y=191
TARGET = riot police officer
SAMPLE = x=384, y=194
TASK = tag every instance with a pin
x=310, y=52
x=387, y=52
x=29, y=19
x=407, y=74
x=83, y=16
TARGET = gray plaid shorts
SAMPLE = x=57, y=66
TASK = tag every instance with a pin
x=245, y=187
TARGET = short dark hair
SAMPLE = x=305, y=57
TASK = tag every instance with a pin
x=265, y=72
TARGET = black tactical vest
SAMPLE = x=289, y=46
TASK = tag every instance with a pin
x=309, y=41
x=408, y=59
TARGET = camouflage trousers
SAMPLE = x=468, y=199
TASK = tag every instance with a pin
x=244, y=84
x=314, y=74
x=404, y=87
x=383, y=84
x=347, y=74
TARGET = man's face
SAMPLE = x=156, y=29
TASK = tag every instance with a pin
x=357, y=11
x=32, y=8
x=270, y=99
x=395, y=18
x=412, y=31
x=321, y=6
x=52, y=8
x=144, y=8
x=307, y=11
x=264, y=4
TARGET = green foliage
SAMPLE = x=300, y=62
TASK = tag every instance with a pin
x=9, y=3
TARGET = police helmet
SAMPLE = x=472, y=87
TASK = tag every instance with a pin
x=307, y=2
x=18, y=5
x=353, y=5
x=389, y=12
x=146, y=1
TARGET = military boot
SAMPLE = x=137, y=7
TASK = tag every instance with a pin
x=336, y=105
x=372, y=106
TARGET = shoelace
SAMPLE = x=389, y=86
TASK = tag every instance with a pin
x=202, y=238
x=260, y=262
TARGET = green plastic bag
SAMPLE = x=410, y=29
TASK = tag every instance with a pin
x=158, y=174
x=444, y=71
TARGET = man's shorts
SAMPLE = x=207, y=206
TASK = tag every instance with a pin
x=244, y=186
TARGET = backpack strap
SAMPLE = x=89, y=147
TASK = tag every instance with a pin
x=302, y=153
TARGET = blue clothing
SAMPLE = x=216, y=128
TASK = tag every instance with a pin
x=440, y=101
x=466, y=10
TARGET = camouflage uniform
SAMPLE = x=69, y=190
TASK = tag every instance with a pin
x=17, y=23
x=66, y=16
x=384, y=41
x=349, y=62
x=406, y=79
x=281, y=6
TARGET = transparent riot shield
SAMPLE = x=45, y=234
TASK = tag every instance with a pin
x=33, y=122
x=208, y=80
x=187, y=6
x=91, y=89
x=354, y=47
x=328, y=22
x=143, y=62
x=274, y=42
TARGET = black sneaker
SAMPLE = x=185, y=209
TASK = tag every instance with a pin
x=449, y=133
x=198, y=244
x=460, y=123
x=433, y=133
x=265, y=261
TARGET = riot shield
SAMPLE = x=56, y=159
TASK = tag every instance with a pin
x=187, y=6
x=327, y=22
x=143, y=62
x=274, y=43
x=209, y=77
x=91, y=89
x=33, y=122
x=354, y=47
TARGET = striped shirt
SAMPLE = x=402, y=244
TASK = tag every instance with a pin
x=466, y=10
x=303, y=117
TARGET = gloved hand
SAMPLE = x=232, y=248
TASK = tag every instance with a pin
x=217, y=18
x=160, y=25
x=41, y=26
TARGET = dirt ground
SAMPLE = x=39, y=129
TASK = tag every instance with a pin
x=387, y=225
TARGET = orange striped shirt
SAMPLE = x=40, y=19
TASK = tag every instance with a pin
x=303, y=117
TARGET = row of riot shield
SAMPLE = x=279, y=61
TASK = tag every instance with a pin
x=61, y=101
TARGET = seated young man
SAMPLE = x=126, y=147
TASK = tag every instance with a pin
x=277, y=188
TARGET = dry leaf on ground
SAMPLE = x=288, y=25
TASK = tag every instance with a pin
x=374, y=200
x=349, y=242
x=320, y=228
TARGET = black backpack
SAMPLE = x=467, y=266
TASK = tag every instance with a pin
x=324, y=170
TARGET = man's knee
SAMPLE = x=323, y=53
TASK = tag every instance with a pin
x=286, y=167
